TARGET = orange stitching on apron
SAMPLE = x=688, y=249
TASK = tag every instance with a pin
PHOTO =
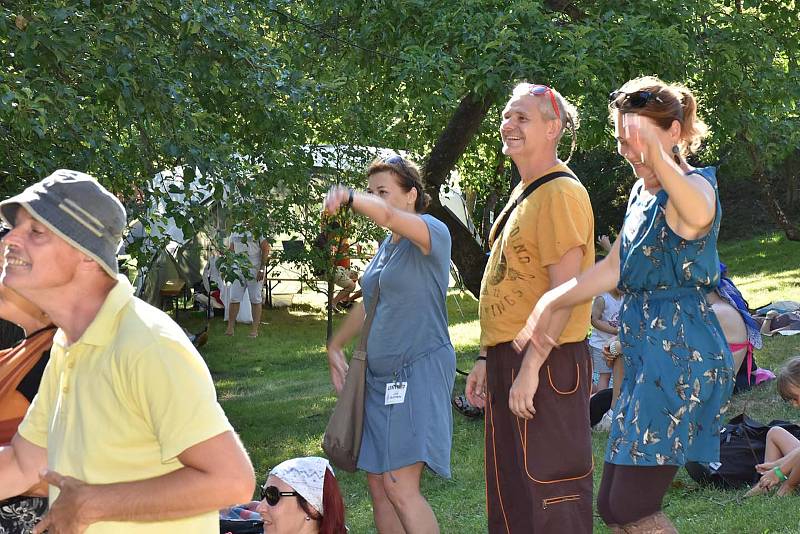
x=524, y=442
x=558, y=500
x=525, y=455
x=577, y=381
x=496, y=471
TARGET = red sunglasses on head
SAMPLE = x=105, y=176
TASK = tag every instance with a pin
x=538, y=90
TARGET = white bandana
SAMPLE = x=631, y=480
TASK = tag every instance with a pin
x=306, y=475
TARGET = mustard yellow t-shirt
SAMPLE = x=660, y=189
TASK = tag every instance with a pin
x=122, y=402
x=552, y=220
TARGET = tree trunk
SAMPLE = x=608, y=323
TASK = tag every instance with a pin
x=467, y=253
x=774, y=208
x=488, y=218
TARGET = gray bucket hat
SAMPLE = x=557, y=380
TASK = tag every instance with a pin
x=79, y=210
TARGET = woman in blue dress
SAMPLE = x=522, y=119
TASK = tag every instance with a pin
x=678, y=368
x=410, y=361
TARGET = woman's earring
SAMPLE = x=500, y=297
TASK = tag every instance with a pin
x=676, y=153
x=308, y=518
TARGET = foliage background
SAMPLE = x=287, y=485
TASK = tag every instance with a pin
x=236, y=92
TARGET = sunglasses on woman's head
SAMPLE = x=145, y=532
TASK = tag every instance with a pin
x=538, y=90
x=636, y=99
x=397, y=159
x=272, y=494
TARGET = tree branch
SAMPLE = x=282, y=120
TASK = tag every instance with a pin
x=451, y=144
x=567, y=7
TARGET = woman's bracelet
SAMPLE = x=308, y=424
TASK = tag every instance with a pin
x=779, y=474
x=480, y=358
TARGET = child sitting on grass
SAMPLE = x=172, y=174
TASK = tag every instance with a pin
x=782, y=455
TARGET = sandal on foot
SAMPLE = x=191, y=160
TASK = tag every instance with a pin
x=462, y=405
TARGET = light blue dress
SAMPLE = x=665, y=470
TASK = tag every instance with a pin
x=678, y=368
x=409, y=342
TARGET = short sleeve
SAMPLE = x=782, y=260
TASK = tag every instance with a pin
x=709, y=174
x=441, y=242
x=564, y=222
x=34, y=427
x=175, y=392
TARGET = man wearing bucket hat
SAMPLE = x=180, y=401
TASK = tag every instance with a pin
x=125, y=427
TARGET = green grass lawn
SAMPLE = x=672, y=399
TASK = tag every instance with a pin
x=276, y=392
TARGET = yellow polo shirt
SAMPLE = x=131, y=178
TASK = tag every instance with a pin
x=552, y=220
x=122, y=402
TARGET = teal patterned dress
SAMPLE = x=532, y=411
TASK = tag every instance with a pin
x=678, y=368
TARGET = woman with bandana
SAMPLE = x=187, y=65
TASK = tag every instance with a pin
x=300, y=496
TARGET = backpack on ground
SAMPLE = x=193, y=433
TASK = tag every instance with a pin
x=741, y=447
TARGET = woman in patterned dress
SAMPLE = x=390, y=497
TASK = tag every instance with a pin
x=678, y=368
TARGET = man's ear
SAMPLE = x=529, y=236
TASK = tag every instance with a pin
x=553, y=128
x=87, y=264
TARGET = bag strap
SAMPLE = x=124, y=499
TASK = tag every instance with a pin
x=16, y=362
x=362, y=343
x=498, y=229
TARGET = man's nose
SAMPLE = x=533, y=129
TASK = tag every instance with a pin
x=11, y=238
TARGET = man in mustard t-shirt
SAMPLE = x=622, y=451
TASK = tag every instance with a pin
x=538, y=444
x=126, y=421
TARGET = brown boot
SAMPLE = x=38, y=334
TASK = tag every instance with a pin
x=657, y=523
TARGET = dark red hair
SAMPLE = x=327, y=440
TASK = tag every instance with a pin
x=333, y=504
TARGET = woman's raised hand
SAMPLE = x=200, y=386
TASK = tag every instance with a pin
x=336, y=197
x=640, y=134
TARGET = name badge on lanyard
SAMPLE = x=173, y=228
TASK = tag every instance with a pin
x=395, y=393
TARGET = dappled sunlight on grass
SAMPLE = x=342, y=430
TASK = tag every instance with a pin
x=772, y=238
x=759, y=289
x=765, y=269
x=465, y=336
x=263, y=389
x=306, y=312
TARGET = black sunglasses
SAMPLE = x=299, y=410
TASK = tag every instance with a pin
x=272, y=494
x=397, y=159
x=636, y=99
